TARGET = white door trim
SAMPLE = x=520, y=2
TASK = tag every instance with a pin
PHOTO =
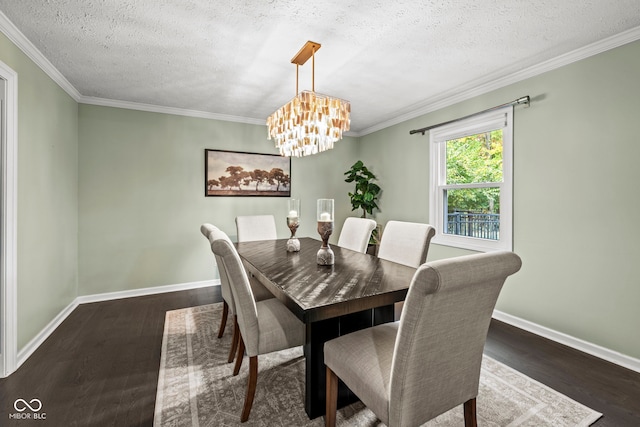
x=8, y=225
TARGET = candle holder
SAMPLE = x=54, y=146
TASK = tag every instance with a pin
x=325, y=228
x=293, y=222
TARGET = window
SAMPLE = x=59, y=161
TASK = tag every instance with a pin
x=471, y=182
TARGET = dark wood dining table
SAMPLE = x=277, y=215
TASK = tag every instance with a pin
x=358, y=291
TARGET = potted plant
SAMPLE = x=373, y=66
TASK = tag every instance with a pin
x=365, y=194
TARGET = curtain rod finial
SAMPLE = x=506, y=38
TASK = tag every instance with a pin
x=524, y=100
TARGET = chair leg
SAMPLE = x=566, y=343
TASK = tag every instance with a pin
x=251, y=388
x=470, y=413
x=332, y=399
x=239, y=357
x=223, y=321
x=234, y=340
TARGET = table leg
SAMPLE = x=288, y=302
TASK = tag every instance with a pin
x=317, y=334
x=383, y=314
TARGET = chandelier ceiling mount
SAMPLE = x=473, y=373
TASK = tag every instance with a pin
x=310, y=122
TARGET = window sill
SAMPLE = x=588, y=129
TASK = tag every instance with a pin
x=472, y=244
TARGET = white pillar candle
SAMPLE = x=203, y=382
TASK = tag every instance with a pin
x=293, y=214
x=325, y=210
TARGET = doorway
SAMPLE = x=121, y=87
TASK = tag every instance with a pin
x=8, y=216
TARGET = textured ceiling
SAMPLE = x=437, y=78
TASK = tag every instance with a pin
x=388, y=58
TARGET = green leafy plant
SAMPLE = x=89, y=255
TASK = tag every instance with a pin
x=366, y=192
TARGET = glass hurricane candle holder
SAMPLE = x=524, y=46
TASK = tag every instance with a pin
x=293, y=222
x=325, y=228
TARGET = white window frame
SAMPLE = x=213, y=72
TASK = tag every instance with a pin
x=493, y=120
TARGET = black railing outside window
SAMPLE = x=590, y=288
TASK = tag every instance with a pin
x=471, y=224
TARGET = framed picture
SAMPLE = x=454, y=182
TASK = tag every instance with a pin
x=233, y=173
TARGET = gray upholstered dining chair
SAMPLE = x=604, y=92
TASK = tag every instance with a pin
x=228, y=305
x=355, y=234
x=265, y=326
x=256, y=227
x=411, y=371
x=406, y=242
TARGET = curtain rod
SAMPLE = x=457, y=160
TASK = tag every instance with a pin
x=522, y=100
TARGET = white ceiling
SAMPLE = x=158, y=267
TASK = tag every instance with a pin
x=391, y=59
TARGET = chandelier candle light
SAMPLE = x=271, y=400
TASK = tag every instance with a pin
x=293, y=222
x=325, y=228
x=311, y=122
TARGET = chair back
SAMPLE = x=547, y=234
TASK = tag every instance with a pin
x=441, y=335
x=246, y=309
x=225, y=287
x=406, y=243
x=256, y=227
x=355, y=234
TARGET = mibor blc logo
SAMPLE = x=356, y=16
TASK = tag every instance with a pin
x=28, y=410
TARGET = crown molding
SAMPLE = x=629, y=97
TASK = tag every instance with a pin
x=493, y=82
x=29, y=49
x=445, y=99
x=20, y=40
x=104, y=102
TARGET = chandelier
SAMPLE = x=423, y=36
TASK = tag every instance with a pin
x=311, y=122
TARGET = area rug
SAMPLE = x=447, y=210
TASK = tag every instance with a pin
x=196, y=386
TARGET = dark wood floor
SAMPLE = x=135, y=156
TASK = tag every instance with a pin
x=100, y=367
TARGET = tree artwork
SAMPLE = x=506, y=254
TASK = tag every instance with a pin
x=231, y=173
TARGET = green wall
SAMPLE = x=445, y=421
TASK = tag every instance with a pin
x=576, y=173
x=47, y=257
x=142, y=195
x=575, y=150
x=112, y=199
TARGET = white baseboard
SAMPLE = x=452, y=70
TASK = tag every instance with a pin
x=573, y=342
x=146, y=291
x=33, y=345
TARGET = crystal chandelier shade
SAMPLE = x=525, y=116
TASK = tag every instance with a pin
x=310, y=122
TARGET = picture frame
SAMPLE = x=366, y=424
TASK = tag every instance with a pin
x=242, y=174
